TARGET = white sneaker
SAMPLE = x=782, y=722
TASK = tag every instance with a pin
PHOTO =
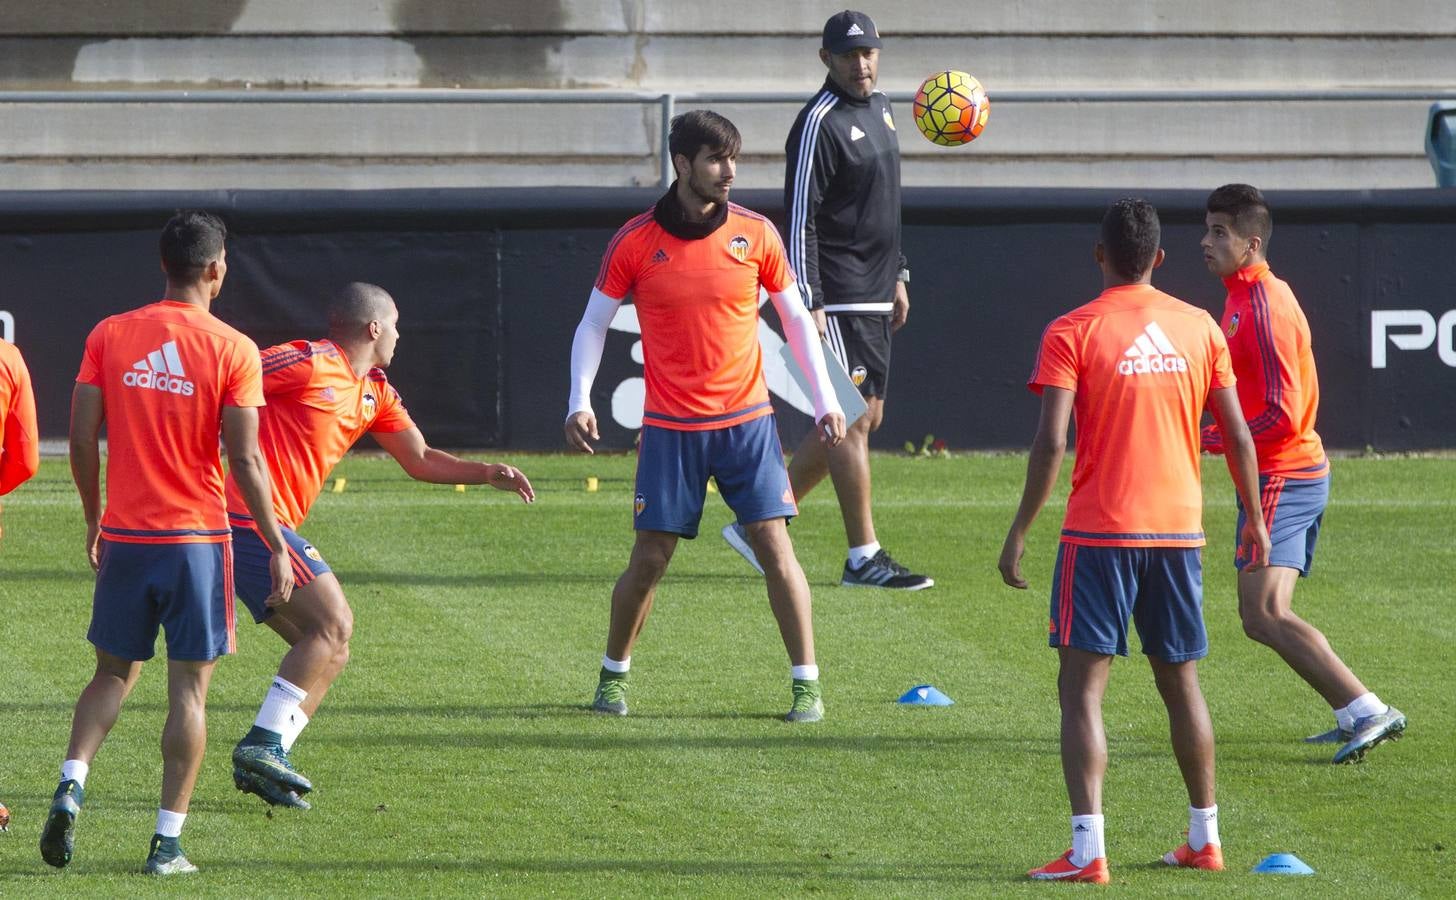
x=737, y=538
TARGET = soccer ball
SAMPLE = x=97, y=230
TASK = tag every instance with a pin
x=951, y=108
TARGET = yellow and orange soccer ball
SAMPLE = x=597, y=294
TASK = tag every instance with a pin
x=951, y=108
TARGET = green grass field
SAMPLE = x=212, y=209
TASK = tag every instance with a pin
x=455, y=755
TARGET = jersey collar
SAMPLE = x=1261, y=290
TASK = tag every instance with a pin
x=1246, y=275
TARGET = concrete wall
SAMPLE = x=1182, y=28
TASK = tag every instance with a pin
x=692, y=46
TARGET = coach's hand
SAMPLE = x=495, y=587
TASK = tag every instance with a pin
x=831, y=429
x=581, y=429
x=507, y=478
x=1010, y=563
x=280, y=569
x=900, y=309
x=821, y=322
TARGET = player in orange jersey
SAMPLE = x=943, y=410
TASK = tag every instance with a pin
x=19, y=441
x=1136, y=367
x=164, y=378
x=322, y=397
x=693, y=265
x=1269, y=342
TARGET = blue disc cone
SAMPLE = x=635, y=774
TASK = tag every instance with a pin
x=1283, y=864
x=925, y=695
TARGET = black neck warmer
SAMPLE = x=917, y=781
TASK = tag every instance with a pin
x=669, y=213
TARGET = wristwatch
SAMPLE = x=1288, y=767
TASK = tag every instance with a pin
x=903, y=275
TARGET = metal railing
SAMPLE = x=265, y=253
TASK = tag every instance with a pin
x=668, y=103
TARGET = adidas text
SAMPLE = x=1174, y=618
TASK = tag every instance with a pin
x=1146, y=364
x=159, y=381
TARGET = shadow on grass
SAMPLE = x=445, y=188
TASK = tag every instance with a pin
x=947, y=874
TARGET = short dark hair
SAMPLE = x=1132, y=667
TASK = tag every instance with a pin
x=699, y=128
x=1130, y=237
x=1246, y=206
x=190, y=240
x=355, y=305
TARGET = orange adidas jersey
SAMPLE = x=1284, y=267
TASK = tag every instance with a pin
x=317, y=408
x=1268, y=338
x=19, y=439
x=165, y=372
x=697, y=303
x=1142, y=364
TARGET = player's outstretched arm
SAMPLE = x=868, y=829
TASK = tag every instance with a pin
x=250, y=471
x=1042, y=466
x=424, y=463
x=802, y=332
x=1243, y=465
x=586, y=357
x=87, y=413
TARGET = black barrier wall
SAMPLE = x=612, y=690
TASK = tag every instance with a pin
x=491, y=284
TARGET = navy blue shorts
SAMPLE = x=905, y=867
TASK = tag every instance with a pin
x=250, y=564
x=1096, y=589
x=1293, y=511
x=673, y=468
x=184, y=589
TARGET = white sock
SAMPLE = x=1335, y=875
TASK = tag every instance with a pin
x=805, y=673
x=1344, y=720
x=280, y=707
x=1367, y=704
x=616, y=665
x=1202, y=826
x=857, y=555
x=169, y=824
x=1087, y=842
x=75, y=770
x=294, y=726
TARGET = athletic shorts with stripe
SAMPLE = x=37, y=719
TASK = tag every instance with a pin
x=185, y=590
x=862, y=346
x=250, y=564
x=746, y=461
x=1096, y=590
x=1293, y=511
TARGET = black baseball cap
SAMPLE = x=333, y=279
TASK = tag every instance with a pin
x=849, y=29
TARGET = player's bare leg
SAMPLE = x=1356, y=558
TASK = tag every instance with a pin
x=848, y=465
x=100, y=704
x=1081, y=684
x=1265, y=598
x=788, y=596
x=184, y=737
x=318, y=624
x=631, y=602
x=788, y=589
x=1189, y=726
x=96, y=711
x=633, y=593
x=1191, y=731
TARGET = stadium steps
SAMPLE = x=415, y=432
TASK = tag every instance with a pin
x=754, y=45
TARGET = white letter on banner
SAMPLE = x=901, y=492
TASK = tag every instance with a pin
x=1382, y=319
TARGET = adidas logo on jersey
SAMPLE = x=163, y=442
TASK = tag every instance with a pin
x=160, y=371
x=1151, y=353
x=660, y=256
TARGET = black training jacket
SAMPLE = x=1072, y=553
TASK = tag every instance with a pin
x=842, y=200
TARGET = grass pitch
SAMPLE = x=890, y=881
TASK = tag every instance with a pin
x=455, y=756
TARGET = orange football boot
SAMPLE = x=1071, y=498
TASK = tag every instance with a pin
x=1210, y=857
x=1061, y=869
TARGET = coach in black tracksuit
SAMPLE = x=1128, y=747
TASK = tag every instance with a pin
x=842, y=196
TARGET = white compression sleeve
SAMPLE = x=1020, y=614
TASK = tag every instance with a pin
x=808, y=349
x=586, y=349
